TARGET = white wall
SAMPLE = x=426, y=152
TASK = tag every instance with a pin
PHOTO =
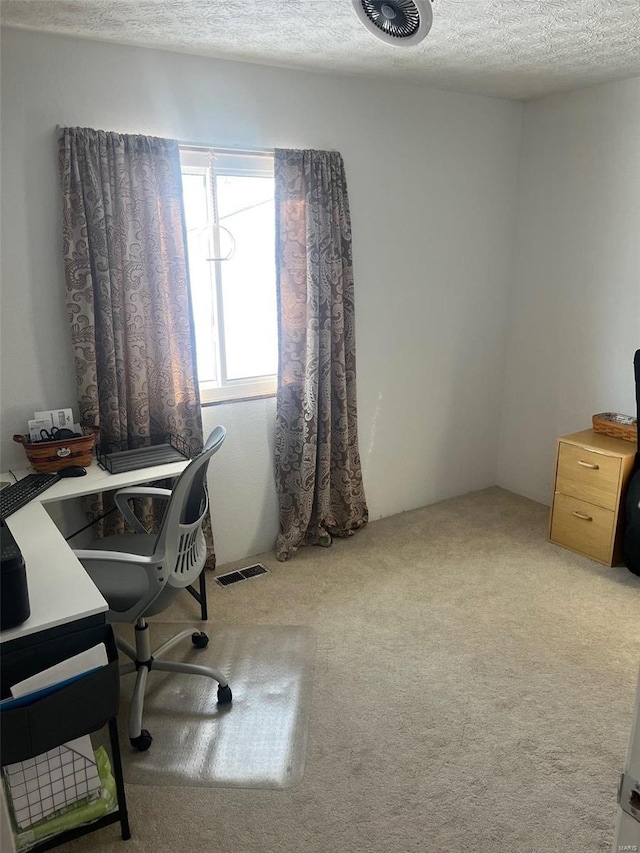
x=432, y=181
x=574, y=320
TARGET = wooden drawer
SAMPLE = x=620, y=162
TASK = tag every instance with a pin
x=593, y=477
x=583, y=527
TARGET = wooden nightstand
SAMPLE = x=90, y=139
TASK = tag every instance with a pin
x=592, y=473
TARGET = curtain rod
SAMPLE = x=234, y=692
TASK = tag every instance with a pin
x=225, y=149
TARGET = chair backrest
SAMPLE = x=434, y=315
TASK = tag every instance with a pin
x=181, y=538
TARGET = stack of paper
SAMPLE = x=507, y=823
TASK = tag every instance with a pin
x=59, y=674
x=47, y=421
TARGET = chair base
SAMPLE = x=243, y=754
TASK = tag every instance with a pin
x=143, y=660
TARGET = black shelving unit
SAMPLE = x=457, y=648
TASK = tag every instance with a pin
x=81, y=708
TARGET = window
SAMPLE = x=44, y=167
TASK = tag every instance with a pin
x=230, y=221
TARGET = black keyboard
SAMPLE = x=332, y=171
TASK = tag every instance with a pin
x=13, y=497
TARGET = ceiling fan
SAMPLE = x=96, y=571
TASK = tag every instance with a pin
x=399, y=22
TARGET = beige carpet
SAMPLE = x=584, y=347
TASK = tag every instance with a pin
x=473, y=692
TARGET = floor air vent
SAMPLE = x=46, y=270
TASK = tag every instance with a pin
x=241, y=574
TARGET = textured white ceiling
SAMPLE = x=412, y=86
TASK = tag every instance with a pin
x=509, y=48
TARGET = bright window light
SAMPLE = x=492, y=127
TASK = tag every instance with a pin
x=230, y=221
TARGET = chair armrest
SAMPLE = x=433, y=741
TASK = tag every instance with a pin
x=156, y=572
x=144, y=491
x=123, y=496
x=86, y=555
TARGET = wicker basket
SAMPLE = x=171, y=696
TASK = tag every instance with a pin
x=617, y=426
x=47, y=457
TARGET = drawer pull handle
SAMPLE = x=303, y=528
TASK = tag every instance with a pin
x=589, y=465
x=583, y=516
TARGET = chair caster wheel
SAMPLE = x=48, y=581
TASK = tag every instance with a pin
x=142, y=742
x=224, y=695
x=199, y=639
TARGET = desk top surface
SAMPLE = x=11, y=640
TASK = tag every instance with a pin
x=60, y=591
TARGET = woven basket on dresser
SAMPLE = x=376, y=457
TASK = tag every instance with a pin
x=615, y=425
x=47, y=457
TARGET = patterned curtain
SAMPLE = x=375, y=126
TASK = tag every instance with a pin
x=318, y=472
x=127, y=286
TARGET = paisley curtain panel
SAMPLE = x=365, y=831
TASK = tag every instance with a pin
x=127, y=286
x=318, y=471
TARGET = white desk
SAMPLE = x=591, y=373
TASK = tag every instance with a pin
x=60, y=591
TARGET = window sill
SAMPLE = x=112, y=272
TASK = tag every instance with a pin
x=212, y=396
x=206, y=403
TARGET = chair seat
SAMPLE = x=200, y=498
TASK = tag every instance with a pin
x=128, y=543
x=122, y=585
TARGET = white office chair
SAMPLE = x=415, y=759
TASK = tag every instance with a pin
x=142, y=573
